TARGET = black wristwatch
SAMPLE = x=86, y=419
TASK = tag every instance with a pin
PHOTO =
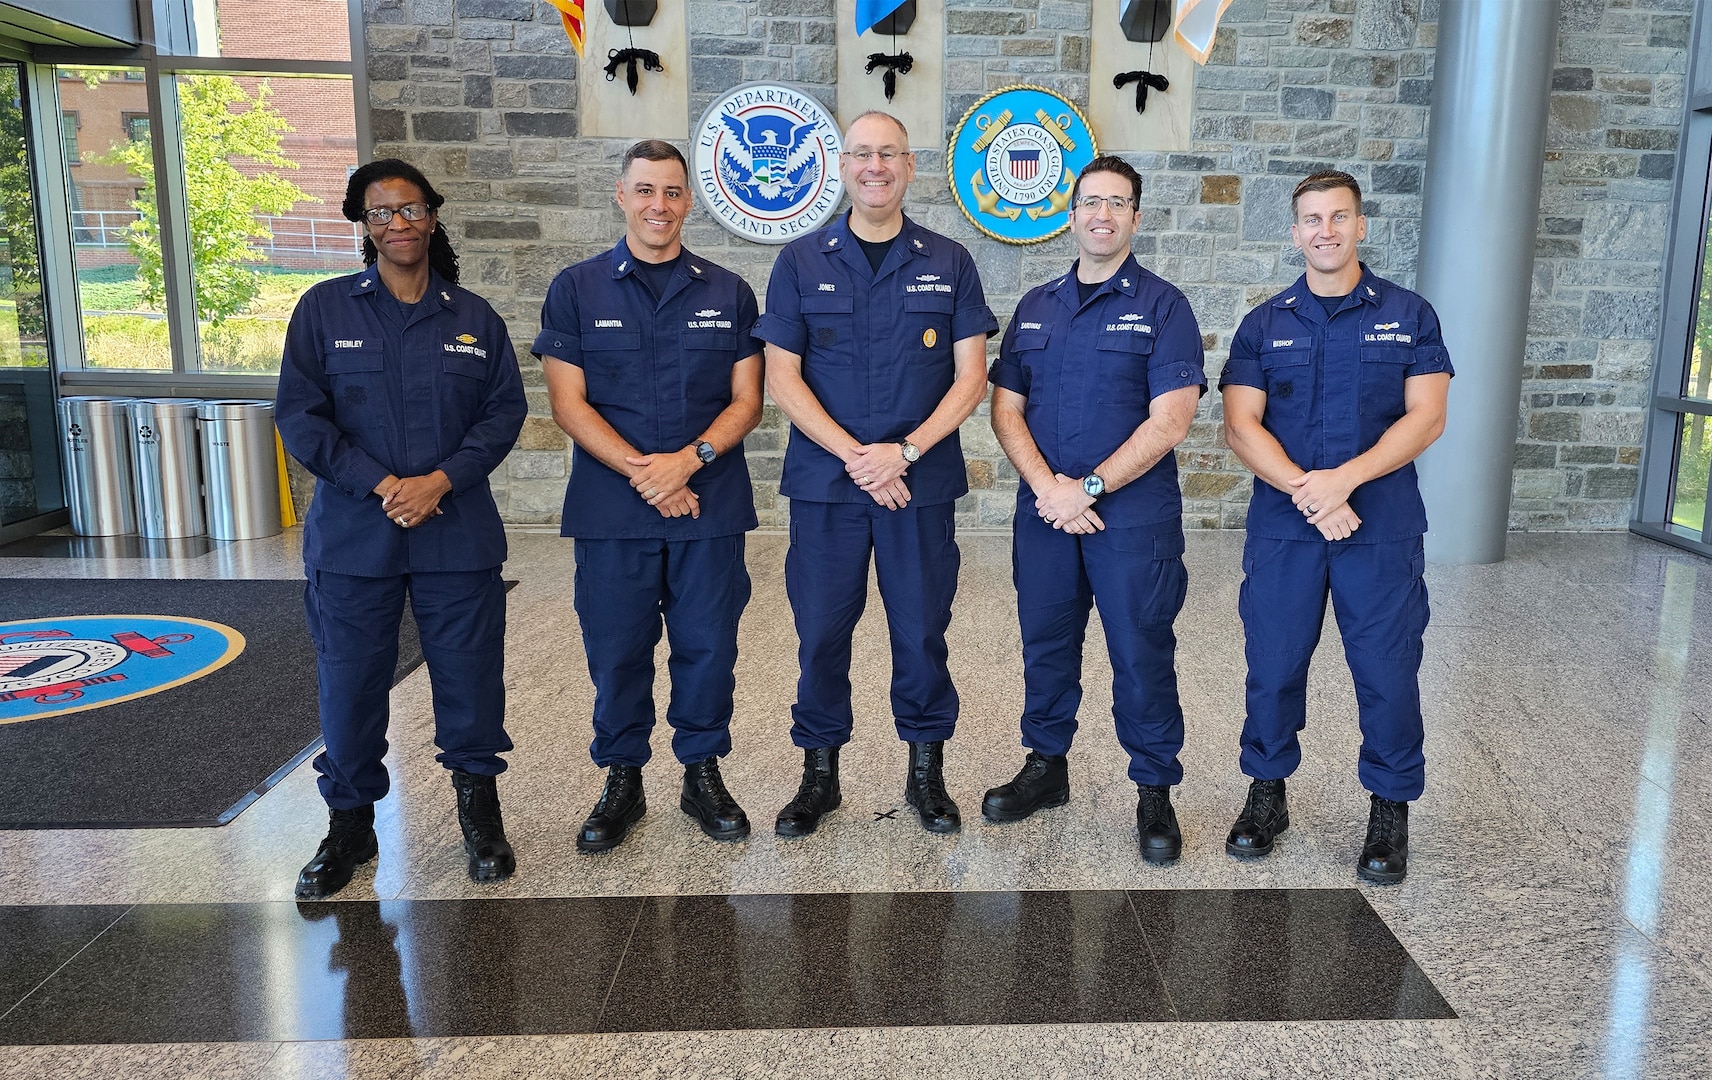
x=911, y=454
x=1093, y=485
x=705, y=451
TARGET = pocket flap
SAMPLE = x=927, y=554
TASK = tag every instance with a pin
x=828, y=303
x=603, y=340
x=943, y=303
x=1131, y=342
x=711, y=340
x=1285, y=358
x=352, y=361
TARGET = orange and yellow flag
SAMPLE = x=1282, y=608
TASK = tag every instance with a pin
x=571, y=11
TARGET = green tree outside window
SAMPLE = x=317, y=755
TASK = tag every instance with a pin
x=220, y=124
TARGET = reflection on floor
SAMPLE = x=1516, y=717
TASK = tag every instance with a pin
x=393, y=969
x=1556, y=896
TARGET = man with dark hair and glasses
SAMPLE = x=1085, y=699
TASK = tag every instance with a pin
x=876, y=332
x=1333, y=388
x=1098, y=378
x=652, y=370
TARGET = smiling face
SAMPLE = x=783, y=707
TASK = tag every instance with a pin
x=401, y=244
x=1329, y=225
x=876, y=187
x=1102, y=235
x=655, y=197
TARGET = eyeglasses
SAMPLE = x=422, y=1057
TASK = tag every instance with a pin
x=865, y=156
x=380, y=215
x=1120, y=204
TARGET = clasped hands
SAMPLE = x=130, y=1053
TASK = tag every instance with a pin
x=878, y=469
x=663, y=482
x=1065, y=506
x=1322, y=496
x=409, y=501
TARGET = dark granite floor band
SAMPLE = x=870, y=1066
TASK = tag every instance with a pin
x=433, y=968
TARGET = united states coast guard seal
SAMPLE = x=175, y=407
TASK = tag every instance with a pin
x=765, y=161
x=1013, y=160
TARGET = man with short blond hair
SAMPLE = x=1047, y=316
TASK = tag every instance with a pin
x=1333, y=388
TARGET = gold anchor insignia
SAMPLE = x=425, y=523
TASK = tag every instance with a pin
x=1055, y=204
x=990, y=129
x=988, y=201
x=1056, y=128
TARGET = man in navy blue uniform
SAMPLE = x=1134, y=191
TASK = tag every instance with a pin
x=652, y=371
x=400, y=392
x=876, y=334
x=1096, y=383
x=1333, y=388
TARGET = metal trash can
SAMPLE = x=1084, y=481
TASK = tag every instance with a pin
x=241, y=469
x=95, y=436
x=168, y=464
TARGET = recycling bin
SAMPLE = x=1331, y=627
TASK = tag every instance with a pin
x=241, y=469
x=168, y=464
x=95, y=436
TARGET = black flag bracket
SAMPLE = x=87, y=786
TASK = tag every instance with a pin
x=648, y=58
x=895, y=64
x=1143, y=80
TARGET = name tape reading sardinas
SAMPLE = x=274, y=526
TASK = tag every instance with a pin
x=765, y=161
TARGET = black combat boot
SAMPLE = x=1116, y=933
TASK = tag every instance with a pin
x=1263, y=817
x=706, y=800
x=491, y=857
x=924, y=788
x=1385, y=855
x=620, y=806
x=1156, y=824
x=1044, y=781
x=817, y=795
x=350, y=843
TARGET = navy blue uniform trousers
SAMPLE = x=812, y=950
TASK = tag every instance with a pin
x=624, y=590
x=916, y=559
x=1380, y=600
x=1137, y=578
x=354, y=621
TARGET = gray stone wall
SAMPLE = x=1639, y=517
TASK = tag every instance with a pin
x=483, y=95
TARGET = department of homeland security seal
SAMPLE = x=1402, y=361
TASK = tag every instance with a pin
x=1013, y=159
x=49, y=667
x=765, y=162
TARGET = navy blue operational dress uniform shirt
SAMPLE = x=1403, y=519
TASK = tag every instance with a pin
x=370, y=387
x=364, y=393
x=659, y=372
x=876, y=349
x=1091, y=371
x=1334, y=385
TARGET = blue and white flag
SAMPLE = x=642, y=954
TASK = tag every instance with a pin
x=869, y=12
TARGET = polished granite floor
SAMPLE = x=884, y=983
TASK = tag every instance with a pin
x=1556, y=904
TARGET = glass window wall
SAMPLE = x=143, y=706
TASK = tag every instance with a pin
x=113, y=215
x=29, y=459
x=265, y=162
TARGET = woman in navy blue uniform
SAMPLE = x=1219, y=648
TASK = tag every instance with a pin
x=400, y=392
